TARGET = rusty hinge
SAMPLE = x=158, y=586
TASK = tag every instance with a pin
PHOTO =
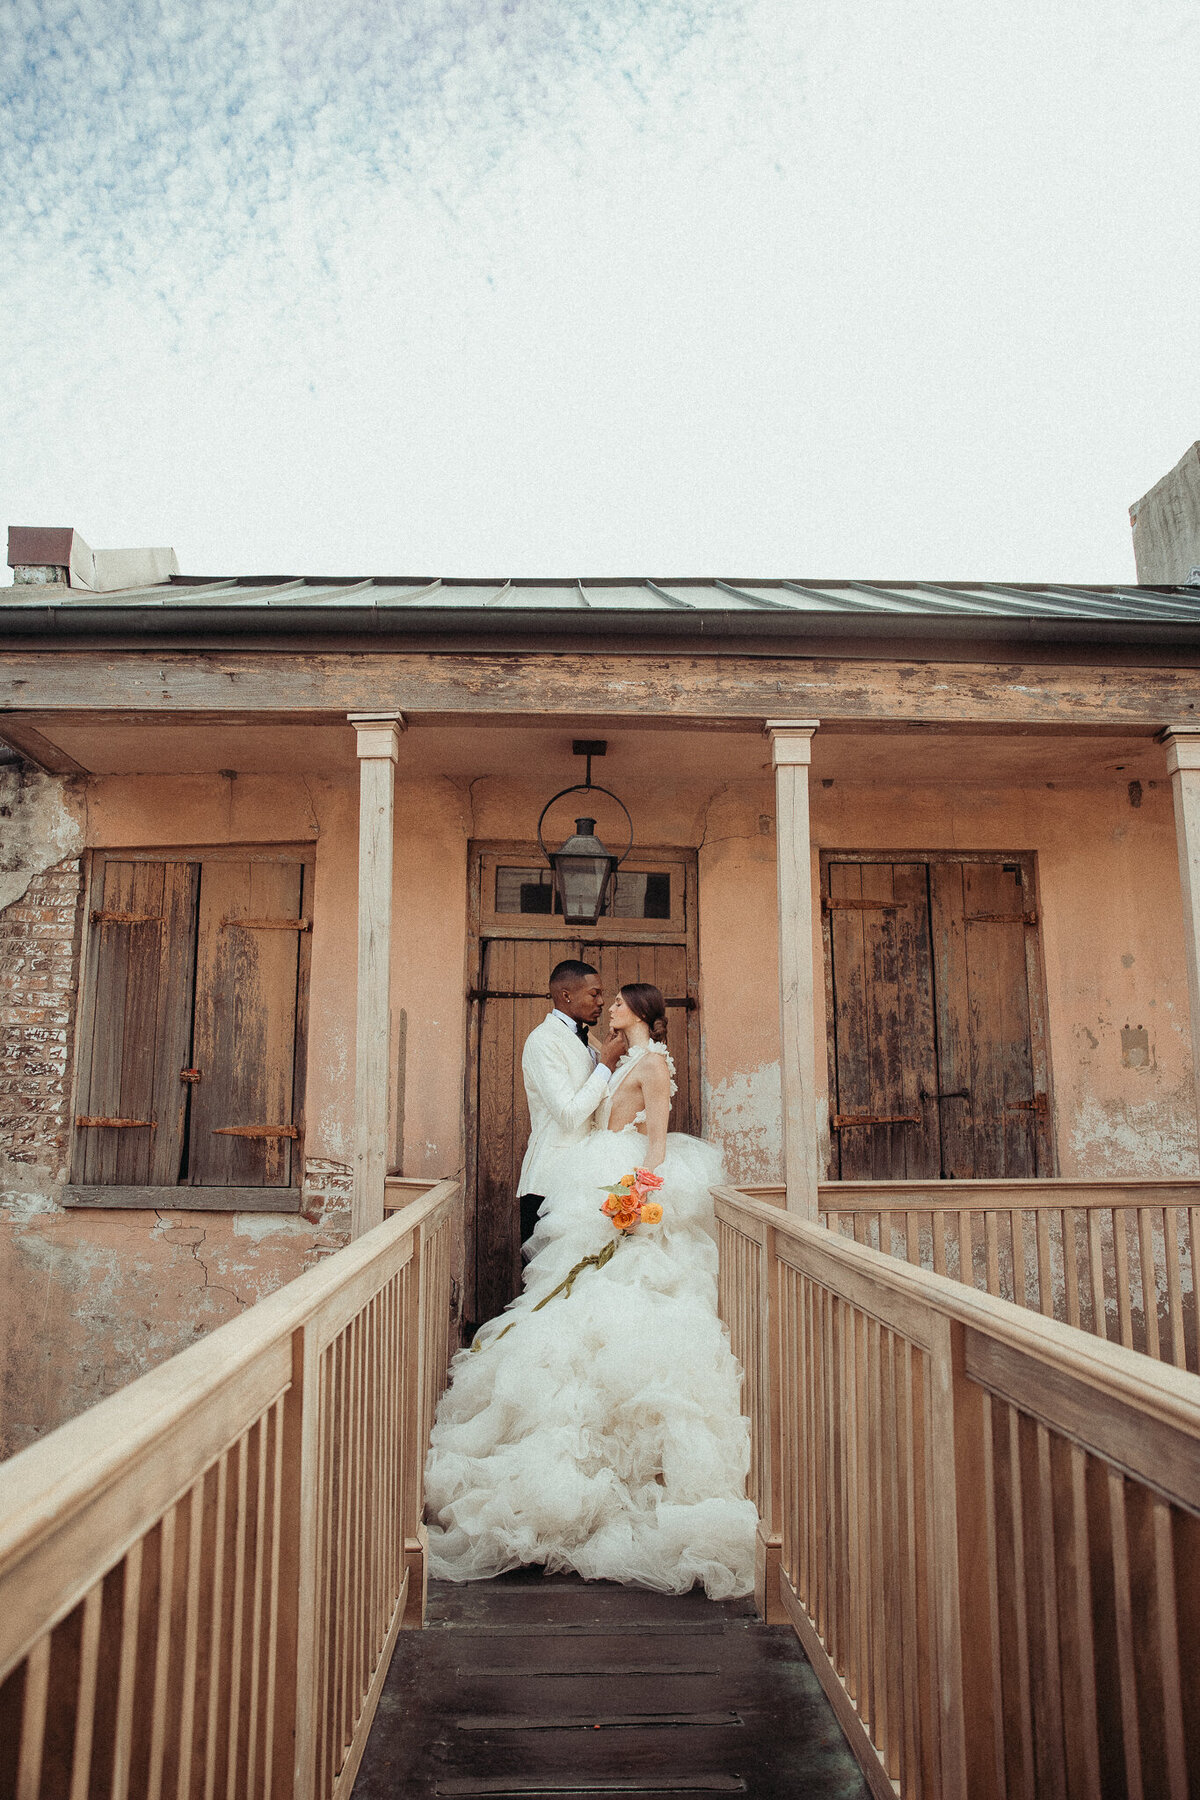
x=1029, y=918
x=256, y=1131
x=118, y=1124
x=270, y=924
x=1039, y=1104
x=100, y=917
x=190, y=1075
x=831, y=904
x=842, y=1121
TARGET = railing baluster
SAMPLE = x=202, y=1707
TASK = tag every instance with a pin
x=1149, y=1275
x=939, y=1243
x=1174, y=1285
x=991, y=1242
x=1070, y=1243
x=1121, y=1264
x=1016, y=1223
x=1045, y=1272
x=1095, y=1229
x=33, y=1721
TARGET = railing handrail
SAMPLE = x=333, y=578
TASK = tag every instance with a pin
x=45, y=1486
x=988, y=1193
x=1171, y=1396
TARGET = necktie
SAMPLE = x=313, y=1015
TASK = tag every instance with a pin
x=581, y=1031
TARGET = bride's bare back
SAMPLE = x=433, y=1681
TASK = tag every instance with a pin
x=645, y=1088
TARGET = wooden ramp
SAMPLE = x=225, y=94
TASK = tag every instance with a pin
x=557, y=1687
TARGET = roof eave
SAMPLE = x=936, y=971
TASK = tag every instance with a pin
x=82, y=620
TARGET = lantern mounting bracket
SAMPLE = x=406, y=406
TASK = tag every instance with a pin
x=590, y=747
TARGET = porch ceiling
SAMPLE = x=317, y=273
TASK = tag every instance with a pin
x=473, y=747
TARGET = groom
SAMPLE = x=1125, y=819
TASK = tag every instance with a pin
x=565, y=1079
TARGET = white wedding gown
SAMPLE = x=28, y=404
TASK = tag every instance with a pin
x=604, y=1433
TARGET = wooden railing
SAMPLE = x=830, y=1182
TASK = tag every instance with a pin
x=983, y=1524
x=202, y=1578
x=1089, y=1253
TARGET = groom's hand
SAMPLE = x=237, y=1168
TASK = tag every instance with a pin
x=614, y=1048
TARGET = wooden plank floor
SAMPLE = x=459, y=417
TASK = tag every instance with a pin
x=557, y=1687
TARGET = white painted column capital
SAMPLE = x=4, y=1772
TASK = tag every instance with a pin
x=791, y=753
x=791, y=741
x=378, y=744
x=378, y=733
x=1183, y=747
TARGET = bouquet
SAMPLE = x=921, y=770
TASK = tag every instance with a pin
x=628, y=1205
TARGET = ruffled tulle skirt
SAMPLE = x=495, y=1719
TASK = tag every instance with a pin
x=604, y=1433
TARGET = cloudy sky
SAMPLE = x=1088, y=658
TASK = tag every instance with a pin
x=746, y=287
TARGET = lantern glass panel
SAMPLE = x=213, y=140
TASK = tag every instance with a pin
x=582, y=884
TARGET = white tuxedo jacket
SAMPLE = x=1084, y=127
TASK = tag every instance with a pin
x=563, y=1091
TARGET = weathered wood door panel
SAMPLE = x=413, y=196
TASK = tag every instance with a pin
x=981, y=920
x=665, y=966
x=509, y=968
x=885, y=1066
x=247, y=970
x=655, y=944
x=937, y=1066
x=135, y=1032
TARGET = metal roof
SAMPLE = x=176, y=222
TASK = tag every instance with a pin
x=638, y=605
x=641, y=594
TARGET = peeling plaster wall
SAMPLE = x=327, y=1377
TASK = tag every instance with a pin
x=42, y=822
x=89, y=1300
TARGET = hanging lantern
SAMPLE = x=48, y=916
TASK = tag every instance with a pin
x=583, y=868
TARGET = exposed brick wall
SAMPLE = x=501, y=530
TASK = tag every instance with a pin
x=39, y=980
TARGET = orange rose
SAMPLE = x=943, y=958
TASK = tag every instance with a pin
x=651, y=1212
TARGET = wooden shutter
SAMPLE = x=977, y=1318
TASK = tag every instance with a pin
x=883, y=1051
x=248, y=970
x=135, y=1032
x=994, y=1121
x=937, y=1066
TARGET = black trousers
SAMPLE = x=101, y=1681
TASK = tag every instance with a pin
x=529, y=1204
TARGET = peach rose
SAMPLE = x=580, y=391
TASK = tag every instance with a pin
x=652, y=1212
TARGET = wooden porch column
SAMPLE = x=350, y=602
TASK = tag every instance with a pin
x=378, y=741
x=1183, y=763
x=791, y=753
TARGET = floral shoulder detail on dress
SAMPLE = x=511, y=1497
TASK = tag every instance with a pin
x=636, y=1055
x=661, y=1050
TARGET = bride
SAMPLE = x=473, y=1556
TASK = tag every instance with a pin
x=599, y=1428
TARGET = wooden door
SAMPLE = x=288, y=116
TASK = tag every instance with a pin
x=247, y=973
x=514, y=952
x=936, y=1051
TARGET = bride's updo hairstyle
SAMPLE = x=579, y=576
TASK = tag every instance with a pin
x=646, y=1003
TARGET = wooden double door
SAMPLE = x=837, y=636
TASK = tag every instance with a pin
x=515, y=944
x=934, y=1002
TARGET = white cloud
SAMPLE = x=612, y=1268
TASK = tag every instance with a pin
x=520, y=286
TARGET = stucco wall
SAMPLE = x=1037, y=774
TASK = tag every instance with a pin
x=89, y=1300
